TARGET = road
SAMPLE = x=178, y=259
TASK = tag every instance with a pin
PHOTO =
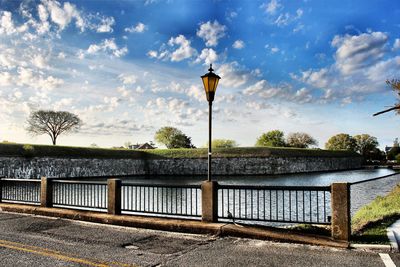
x=27, y=240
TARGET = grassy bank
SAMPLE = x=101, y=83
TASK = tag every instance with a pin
x=86, y=152
x=370, y=222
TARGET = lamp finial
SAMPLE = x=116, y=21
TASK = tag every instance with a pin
x=210, y=69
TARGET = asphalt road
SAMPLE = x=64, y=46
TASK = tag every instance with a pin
x=27, y=240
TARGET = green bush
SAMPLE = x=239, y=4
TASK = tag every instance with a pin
x=28, y=151
x=398, y=158
x=88, y=152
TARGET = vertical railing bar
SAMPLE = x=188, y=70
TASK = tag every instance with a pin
x=270, y=205
x=245, y=203
x=191, y=201
x=258, y=204
x=297, y=207
x=264, y=203
x=251, y=202
x=234, y=203
x=310, y=207
x=317, y=206
x=290, y=205
x=197, y=191
x=324, y=206
x=304, y=213
x=283, y=203
x=276, y=204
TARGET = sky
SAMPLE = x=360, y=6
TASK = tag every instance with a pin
x=128, y=68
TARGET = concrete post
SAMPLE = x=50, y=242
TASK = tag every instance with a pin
x=46, y=192
x=340, y=203
x=209, y=201
x=114, y=196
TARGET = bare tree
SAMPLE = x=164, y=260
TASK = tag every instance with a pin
x=52, y=123
x=395, y=85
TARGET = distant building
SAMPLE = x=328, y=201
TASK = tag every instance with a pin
x=143, y=146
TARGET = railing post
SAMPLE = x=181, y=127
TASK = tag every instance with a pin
x=1, y=190
x=114, y=196
x=340, y=203
x=209, y=201
x=46, y=192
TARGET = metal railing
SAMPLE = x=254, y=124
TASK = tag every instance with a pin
x=174, y=200
x=20, y=190
x=79, y=194
x=287, y=204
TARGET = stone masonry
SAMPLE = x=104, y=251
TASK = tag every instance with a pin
x=20, y=167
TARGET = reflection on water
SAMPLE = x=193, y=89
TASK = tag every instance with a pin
x=299, y=179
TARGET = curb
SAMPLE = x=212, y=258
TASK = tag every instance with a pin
x=177, y=225
x=393, y=233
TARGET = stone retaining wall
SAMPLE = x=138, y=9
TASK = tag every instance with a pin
x=20, y=167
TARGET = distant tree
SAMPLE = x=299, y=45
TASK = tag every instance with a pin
x=222, y=143
x=366, y=144
x=300, y=140
x=94, y=145
x=52, y=123
x=395, y=85
x=173, y=138
x=272, y=138
x=127, y=144
x=394, y=151
x=341, y=142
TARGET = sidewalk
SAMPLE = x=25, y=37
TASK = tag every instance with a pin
x=176, y=225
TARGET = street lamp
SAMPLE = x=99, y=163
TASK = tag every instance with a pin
x=210, y=82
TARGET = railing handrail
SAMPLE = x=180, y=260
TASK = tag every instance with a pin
x=376, y=178
x=197, y=186
x=77, y=182
x=276, y=187
x=92, y=177
x=20, y=180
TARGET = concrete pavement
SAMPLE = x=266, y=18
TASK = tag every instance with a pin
x=27, y=240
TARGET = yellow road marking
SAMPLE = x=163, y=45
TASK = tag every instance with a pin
x=56, y=254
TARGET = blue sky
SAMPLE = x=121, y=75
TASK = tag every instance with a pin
x=128, y=68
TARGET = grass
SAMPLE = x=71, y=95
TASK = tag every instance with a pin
x=28, y=150
x=370, y=222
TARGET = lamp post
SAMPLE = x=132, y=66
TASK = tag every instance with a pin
x=210, y=82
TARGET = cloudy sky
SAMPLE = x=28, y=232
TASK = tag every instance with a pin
x=128, y=68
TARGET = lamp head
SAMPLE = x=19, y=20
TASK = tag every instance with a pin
x=210, y=82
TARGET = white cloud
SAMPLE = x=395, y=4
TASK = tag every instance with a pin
x=255, y=88
x=63, y=15
x=271, y=7
x=318, y=78
x=196, y=92
x=184, y=49
x=359, y=51
x=152, y=54
x=396, y=44
x=106, y=25
x=257, y=105
x=282, y=20
x=39, y=61
x=274, y=50
x=108, y=46
x=361, y=66
x=238, y=44
x=232, y=75
x=6, y=24
x=285, y=19
x=211, y=32
x=127, y=78
x=208, y=55
x=5, y=79
x=61, y=55
x=139, y=28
